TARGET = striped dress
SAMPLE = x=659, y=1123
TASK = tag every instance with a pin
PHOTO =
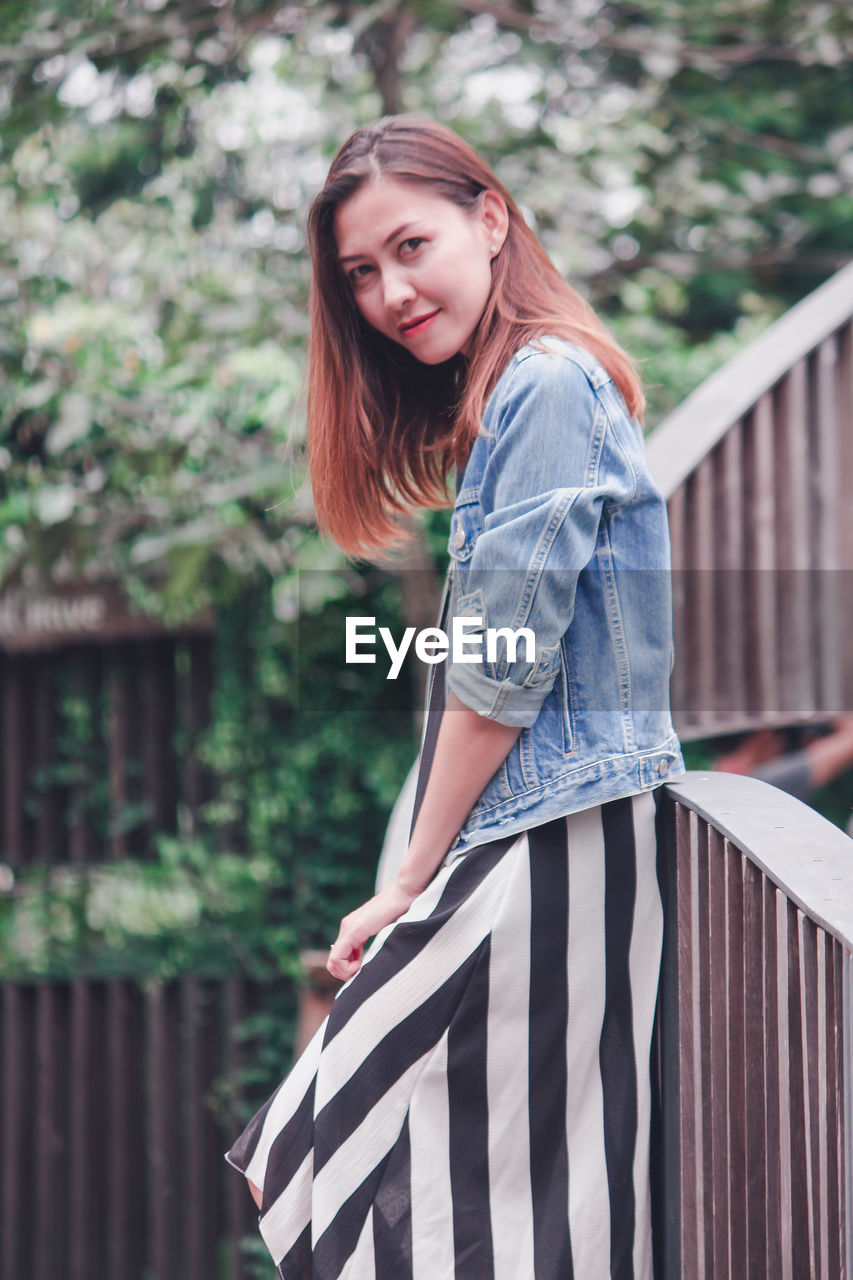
x=477, y=1104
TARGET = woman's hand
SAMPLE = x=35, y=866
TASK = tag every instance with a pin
x=468, y=750
x=345, y=954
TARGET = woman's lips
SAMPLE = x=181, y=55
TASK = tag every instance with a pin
x=419, y=324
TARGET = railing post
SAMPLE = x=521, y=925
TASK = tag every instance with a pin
x=317, y=990
x=666, y=1138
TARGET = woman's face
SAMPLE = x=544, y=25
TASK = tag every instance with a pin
x=420, y=266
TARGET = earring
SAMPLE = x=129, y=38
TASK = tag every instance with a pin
x=493, y=249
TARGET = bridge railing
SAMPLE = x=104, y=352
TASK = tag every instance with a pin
x=755, y=1036
x=756, y=466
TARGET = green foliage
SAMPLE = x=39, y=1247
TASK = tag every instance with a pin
x=690, y=171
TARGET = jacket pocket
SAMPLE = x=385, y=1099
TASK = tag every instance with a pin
x=567, y=717
x=465, y=528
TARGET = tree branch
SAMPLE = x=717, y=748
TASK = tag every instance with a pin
x=384, y=42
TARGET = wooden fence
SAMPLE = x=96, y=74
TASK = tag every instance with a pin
x=111, y=1153
x=754, y=1174
x=757, y=469
x=96, y=747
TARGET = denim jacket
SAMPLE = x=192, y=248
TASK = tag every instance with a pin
x=559, y=528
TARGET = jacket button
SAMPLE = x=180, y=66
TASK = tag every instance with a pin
x=663, y=767
x=459, y=539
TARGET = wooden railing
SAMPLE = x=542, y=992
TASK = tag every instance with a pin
x=757, y=469
x=755, y=1037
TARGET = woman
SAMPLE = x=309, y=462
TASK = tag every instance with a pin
x=477, y=1104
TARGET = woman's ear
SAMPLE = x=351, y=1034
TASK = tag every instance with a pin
x=495, y=220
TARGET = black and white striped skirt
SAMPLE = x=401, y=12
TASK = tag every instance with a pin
x=477, y=1104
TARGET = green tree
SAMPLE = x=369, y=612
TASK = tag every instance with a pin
x=692, y=172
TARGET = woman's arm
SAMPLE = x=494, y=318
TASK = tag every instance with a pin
x=468, y=751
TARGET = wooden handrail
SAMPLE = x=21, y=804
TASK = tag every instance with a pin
x=807, y=857
x=753, y=1173
x=680, y=442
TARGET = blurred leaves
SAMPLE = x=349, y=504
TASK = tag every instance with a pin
x=691, y=171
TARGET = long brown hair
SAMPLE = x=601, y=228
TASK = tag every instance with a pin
x=384, y=429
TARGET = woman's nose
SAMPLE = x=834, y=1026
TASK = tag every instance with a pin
x=398, y=289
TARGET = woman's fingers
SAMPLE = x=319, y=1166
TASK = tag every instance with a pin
x=345, y=952
x=343, y=969
x=383, y=909
x=344, y=960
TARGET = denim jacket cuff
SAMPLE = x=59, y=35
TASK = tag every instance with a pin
x=502, y=700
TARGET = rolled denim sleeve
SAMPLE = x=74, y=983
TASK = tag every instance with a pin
x=553, y=465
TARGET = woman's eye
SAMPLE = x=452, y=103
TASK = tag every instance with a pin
x=358, y=274
x=413, y=242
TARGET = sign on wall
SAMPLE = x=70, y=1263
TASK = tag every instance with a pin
x=79, y=612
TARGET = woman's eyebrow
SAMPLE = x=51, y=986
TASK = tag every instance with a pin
x=393, y=236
